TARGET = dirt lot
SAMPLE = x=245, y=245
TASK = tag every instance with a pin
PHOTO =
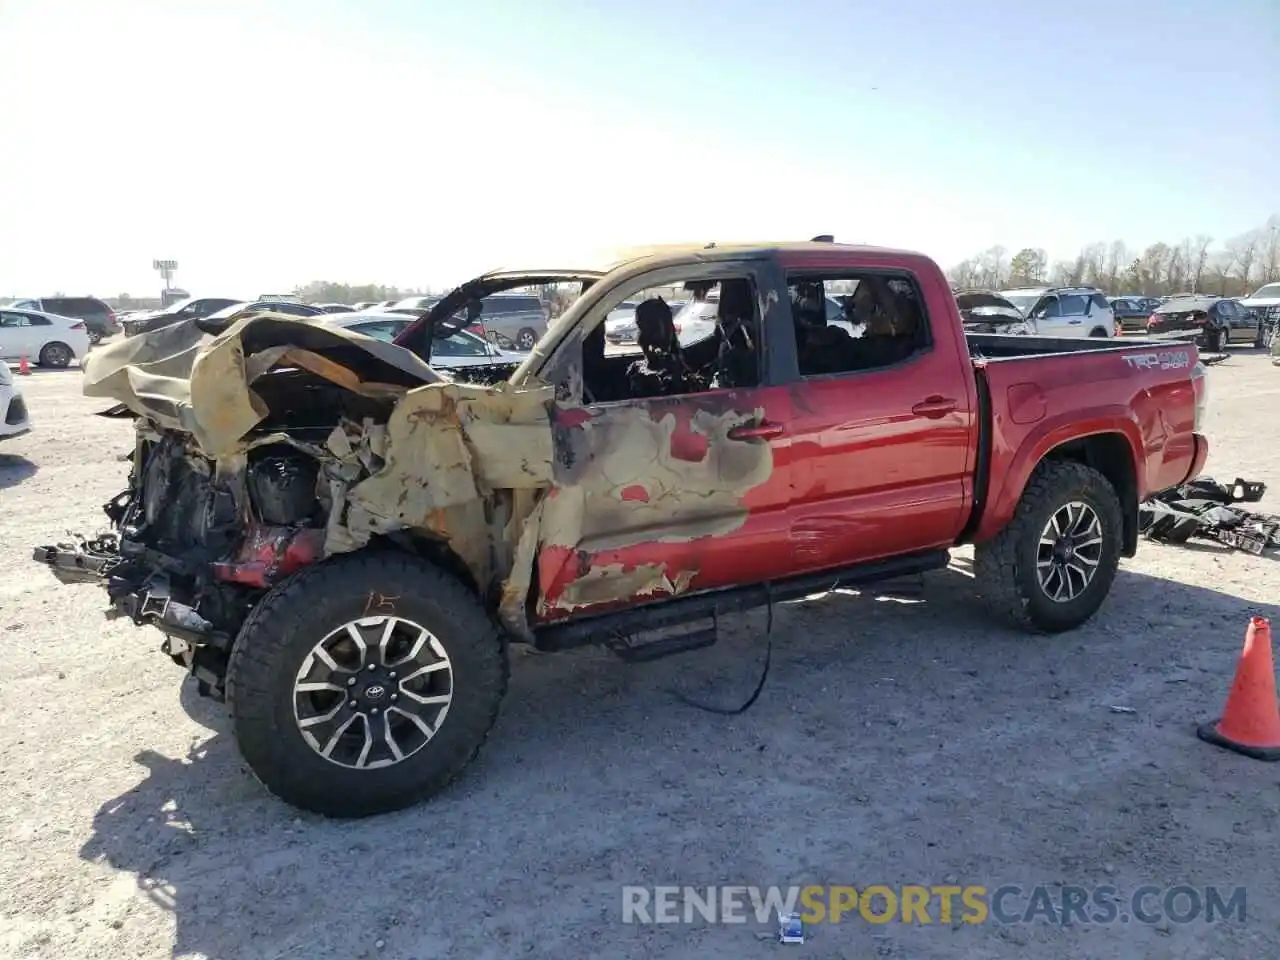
x=899, y=741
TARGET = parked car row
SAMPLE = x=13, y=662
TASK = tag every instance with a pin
x=511, y=320
x=98, y=317
x=45, y=339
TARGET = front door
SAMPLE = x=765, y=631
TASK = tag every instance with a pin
x=659, y=496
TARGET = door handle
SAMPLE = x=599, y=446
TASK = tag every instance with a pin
x=756, y=431
x=934, y=407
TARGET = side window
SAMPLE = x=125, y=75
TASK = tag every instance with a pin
x=35, y=321
x=27, y=305
x=459, y=345
x=885, y=313
x=11, y=320
x=712, y=343
x=1100, y=302
x=379, y=331
x=1073, y=305
x=1048, y=309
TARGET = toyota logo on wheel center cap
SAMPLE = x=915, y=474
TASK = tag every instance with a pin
x=375, y=692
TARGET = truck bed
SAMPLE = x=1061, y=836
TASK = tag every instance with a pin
x=994, y=346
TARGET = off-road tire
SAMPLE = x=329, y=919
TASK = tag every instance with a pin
x=1005, y=566
x=56, y=355
x=302, y=610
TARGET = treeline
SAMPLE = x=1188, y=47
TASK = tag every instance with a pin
x=1233, y=268
x=325, y=291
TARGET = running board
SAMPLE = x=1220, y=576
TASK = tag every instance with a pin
x=637, y=650
x=656, y=615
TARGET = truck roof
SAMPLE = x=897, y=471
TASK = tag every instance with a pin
x=739, y=250
x=605, y=260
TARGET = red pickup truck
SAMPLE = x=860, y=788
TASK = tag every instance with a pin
x=342, y=542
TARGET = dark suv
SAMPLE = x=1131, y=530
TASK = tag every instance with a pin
x=99, y=319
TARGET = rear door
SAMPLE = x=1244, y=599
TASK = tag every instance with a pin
x=883, y=452
x=658, y=496
x=1073, y=309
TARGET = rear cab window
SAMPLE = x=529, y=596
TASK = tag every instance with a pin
x=882, y=321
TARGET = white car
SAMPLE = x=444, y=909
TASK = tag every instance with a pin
x=462, y=349
x=1065, y=311
x=15, y=421
x=1265, y=305
x=45, y=339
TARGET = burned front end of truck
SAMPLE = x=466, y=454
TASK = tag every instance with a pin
x=216, y=512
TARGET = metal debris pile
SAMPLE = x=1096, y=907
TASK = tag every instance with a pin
x=1209, y=510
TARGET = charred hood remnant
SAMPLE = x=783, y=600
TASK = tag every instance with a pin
x=985, y=311
x=277, y=442
x=1209, y=510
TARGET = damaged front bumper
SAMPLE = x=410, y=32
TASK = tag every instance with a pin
x=151, y=588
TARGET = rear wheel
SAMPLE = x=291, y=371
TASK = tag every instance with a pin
x=526, y=338
x=365, y=684
x=95, y=336
x=1053, y=565
x=55, y=355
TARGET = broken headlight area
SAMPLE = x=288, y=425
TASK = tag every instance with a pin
x=1209, y=510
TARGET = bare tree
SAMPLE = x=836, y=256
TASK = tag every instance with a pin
x=1218, y=270
x=1091, y=263
x=1153, y=265
x=1117, y=257
x=1176, y=272
x=1201, y=258
x=1270, y=244
x=964, y=274
x=1244, y=251
x=1249, y=258
x=991, y=269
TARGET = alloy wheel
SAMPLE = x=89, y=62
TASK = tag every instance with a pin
x=1069, y=551
x=373, y=692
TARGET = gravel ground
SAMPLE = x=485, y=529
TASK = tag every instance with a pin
x=899, y=740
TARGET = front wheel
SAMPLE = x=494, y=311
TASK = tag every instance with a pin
x=526, y=338
x=365, y=684
x=1052, y=566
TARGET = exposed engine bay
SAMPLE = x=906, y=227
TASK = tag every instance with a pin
x=254, y=458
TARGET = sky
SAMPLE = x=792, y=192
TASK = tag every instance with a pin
x=266, y=143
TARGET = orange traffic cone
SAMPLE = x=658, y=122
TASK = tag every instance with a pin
x=24, y=368
x=1250, y=722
